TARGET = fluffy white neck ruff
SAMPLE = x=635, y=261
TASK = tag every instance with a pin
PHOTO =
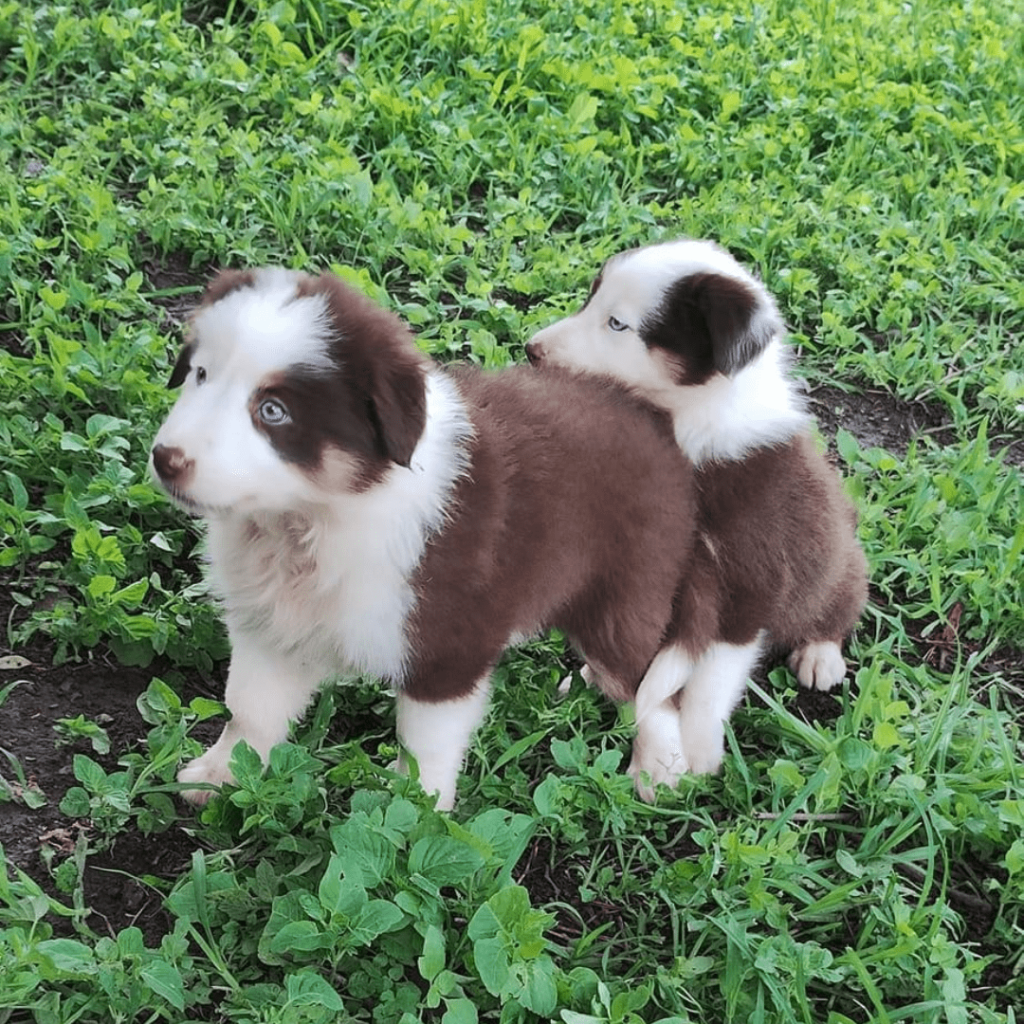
x=726, y=418
x=332, y=581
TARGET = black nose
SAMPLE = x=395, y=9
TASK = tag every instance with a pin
x=170, y=463
x=534, y=353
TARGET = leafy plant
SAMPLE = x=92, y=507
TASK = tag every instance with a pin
x=71, y=729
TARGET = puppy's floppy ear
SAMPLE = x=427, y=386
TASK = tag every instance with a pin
x=181, y=367
x=224, y=282
x=381, y=363
x=739, y=317
x=398, y=406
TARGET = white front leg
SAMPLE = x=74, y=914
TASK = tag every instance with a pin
x=265, y=691
x=659, y=754
x=715, y=688
x=438, y=735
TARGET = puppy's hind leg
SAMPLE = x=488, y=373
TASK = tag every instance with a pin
x=438, y=735
x=265, y=691
x=715, y=687
x=818, y=664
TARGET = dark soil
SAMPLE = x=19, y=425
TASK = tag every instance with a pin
x=105, y=692
x=878, y=420
x=13, y=341
x=179, y=285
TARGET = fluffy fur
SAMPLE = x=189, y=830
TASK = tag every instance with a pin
x=777, y=559
x=369, y=512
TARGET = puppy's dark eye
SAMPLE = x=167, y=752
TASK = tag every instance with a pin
x=617, y=325
x=273, y=413
x=200, y=374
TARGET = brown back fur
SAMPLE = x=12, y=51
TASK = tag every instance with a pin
x=577, y=512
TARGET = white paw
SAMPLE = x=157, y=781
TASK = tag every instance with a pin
x=704, y=746
x=445, y=795
x=587, y=674
x=212, y=767
x=658, y=752
x=650, y=771
x=818, y=665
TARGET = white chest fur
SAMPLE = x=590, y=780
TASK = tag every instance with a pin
x=728, y=417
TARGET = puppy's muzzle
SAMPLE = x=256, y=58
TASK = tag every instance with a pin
x=171, y=465
x=535, y=353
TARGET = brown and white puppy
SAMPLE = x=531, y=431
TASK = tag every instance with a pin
x=370, y=512
x=777, y=559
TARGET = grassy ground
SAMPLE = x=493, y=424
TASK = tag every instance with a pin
x=470, y=163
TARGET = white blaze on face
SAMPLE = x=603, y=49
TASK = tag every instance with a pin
x=604, y=337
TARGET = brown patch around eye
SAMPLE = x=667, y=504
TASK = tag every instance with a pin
x=328, y=433
x=181, y=367
x=703, y=322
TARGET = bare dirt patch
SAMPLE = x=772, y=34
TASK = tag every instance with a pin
x=879, y=420
x=175, y=286
x=106, y=692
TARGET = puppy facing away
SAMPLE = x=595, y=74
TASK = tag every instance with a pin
x=370, y=512
x=776, y=559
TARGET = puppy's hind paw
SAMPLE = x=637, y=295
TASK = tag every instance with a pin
x=818, y=665
x=210, y=768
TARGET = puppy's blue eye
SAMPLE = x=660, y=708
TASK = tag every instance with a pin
x=273, y=413
x=200, y=374
x=617, y=325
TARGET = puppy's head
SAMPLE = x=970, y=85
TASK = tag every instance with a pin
x=294, y=388
x=672, y=314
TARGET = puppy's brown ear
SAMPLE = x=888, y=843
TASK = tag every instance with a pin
x=181, y=367
x=381, y=363
x=398, y=405
x=224, y=282
x=739, y=317
x=710, y=323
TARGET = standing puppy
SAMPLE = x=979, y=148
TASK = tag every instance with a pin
x=370, y=512
x=777, y=558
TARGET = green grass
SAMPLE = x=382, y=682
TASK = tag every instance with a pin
x=470, y=163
